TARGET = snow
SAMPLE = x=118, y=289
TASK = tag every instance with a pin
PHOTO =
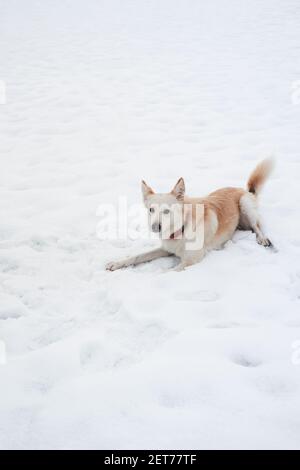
x=100, y=94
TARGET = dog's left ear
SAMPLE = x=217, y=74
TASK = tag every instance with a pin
x=179, y=189
x=146, y=190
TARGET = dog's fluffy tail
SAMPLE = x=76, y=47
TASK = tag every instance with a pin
x=259, y=176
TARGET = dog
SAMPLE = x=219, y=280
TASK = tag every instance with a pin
x=191, y=227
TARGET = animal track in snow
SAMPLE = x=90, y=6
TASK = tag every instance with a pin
x=11, y=308
x=245, y=361
x=8, y=264
x=98, y=355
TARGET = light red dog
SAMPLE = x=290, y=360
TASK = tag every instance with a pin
x=190, y=227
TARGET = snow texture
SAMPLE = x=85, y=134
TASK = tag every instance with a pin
x=100, y=94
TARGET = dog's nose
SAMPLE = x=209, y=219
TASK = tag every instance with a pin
x=156, y=227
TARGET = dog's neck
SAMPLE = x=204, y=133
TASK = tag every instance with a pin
x=178, y=234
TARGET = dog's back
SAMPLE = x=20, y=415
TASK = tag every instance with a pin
x=227, y=209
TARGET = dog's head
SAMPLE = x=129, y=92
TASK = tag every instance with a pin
x=165, y=210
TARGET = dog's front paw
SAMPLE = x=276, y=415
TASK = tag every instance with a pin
x=113, y=265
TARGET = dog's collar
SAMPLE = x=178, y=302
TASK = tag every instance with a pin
x=177, y=234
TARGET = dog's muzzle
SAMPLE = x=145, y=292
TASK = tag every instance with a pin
x=156, y=227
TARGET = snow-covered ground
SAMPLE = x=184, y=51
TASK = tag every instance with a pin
x=100, y=94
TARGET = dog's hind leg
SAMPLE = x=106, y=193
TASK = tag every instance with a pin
x=134, y=260
x=249, y=219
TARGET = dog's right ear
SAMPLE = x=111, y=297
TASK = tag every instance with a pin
x=146, y=190
x=179, y=189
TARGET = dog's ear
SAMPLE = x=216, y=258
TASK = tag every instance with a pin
x=146, y=190
x=179, y=189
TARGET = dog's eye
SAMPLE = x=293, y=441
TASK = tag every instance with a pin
x=151, y=209
x=166, y=211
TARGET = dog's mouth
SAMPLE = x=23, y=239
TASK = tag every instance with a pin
x=177, y=234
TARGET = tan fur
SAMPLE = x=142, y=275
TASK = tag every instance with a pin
x=223, y=211
x=224, y=203
x=259, y=176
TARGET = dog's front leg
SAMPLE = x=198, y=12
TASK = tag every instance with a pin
x=134, y=260
x=189, y=259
